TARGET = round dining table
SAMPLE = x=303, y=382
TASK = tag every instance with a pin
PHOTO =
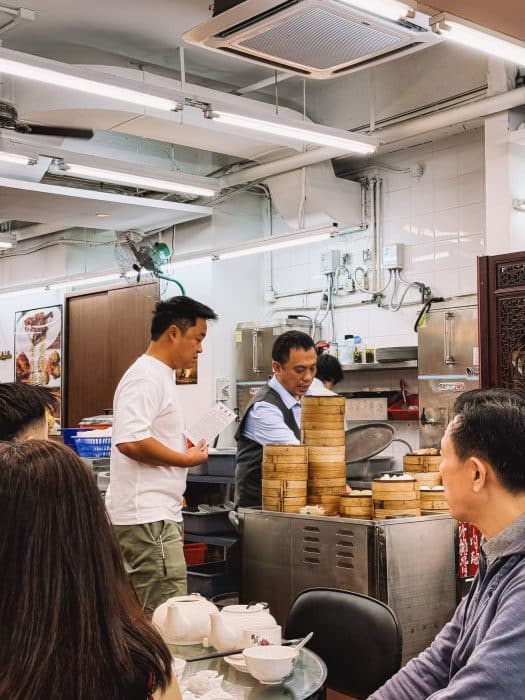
x=306, y=680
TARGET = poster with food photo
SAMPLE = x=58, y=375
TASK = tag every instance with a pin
x=38, y=350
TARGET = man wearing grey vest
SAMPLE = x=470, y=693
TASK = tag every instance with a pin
x=273, y=416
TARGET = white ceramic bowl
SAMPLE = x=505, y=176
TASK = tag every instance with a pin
x=270, y=664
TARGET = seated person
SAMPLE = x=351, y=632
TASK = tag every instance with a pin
x=479, y=654
x=329, y=373
x=23, y=410
x=71, y=626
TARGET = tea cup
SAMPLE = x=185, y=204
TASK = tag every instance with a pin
x=261, y=635
x=270, y=664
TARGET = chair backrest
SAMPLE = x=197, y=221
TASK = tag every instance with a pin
x=358, y=637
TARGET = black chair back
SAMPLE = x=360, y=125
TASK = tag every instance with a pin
x=358, y=638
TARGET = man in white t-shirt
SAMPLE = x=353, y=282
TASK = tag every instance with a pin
x=149, y=458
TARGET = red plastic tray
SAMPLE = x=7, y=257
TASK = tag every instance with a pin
x=395, y=412
x=195, y=553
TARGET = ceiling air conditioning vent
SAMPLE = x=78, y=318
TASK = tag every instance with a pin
x=313, y=38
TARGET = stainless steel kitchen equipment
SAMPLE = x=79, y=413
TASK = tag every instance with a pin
x=253, y=345
x=448, y=362
x=408, y=563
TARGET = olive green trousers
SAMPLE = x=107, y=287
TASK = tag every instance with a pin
x=154, y=560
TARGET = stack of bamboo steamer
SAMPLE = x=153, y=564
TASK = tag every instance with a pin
x=357, y=504
x=284, y=477
x=395, y=497
x=433, y=500
x=424, y=468
x=323, y=432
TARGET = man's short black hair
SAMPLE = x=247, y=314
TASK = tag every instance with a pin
x=22, y=405
x=490, y=424
x=291, y=340
x=182, y=312
x=329, y=368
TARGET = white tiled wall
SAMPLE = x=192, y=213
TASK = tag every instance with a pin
x=439, y=216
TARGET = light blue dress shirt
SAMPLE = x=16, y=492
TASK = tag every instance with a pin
x=264, y=423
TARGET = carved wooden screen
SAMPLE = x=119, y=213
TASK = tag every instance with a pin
x=501, y=293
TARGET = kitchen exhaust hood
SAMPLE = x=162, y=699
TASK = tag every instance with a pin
x=312, y=38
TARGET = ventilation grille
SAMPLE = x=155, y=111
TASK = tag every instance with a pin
x=321, y=40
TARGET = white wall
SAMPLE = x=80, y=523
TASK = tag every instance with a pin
x=517, y=191
x=440, y=219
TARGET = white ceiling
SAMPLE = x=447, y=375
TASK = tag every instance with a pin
x=128, y=33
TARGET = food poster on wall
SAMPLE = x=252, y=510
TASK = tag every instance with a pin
x=38, y=352
x=187, y=376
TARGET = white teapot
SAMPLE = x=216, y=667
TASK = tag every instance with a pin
x=227, y=627
x=184, y=619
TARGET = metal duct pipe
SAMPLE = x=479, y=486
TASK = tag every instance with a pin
x=390, y=134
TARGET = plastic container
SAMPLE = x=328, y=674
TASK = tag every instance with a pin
x=93, y=447
x=67, y=436
x=358, y=350
x=209, y=579
x=346, y=350
x=395, y=412
x=222, y=462
x=197, y=523
x=195, y=553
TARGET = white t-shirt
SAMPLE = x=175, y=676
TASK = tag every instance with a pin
x=146, y=405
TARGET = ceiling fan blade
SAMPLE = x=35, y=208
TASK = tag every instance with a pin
x=49, y=130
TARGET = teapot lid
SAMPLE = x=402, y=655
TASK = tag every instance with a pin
x=250, y=608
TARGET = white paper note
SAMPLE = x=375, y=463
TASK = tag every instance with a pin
x=210, y=425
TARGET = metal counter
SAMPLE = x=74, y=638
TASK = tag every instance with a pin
x=408, y=563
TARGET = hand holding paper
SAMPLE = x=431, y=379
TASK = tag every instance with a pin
x=210, y=425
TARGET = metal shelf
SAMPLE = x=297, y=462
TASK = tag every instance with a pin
x=219, y=540
x=211, y=479
x=375, y=366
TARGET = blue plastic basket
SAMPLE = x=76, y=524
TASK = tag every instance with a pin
x=69, y=433
x=93, y=447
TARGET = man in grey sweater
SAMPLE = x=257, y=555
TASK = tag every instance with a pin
x=480, y=653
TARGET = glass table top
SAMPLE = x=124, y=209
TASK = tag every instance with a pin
x=306, y=679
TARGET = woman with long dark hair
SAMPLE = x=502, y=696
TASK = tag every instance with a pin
x=70, y=625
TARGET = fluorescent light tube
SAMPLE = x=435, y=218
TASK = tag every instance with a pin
x=7, y=157
x=94, y=87
x=486, y=40
x=518, y=204
x=265, y=245
x=391, y=9
x=314, y=134
x=185, y=262
x=137, y=180
x=5, y=244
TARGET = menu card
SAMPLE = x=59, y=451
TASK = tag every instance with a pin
x=210, y=425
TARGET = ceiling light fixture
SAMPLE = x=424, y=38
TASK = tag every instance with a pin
x=391, y=9
x=307, y=133
x=16, y=159
x=260, y=245
x=468, y=34
x=137, y=180
x=22, y=66
x=518, y=204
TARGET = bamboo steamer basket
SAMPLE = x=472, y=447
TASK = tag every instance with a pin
x=327, y=471
x=285, y=505
x=421, y=463
x=281, y=489
x=326, y=453
x=325, y=441
x=327, y=483
x=354, y=505
x=326, y=490
x=330, y=503
x=433, y=501
x=316, y=434
x=287, y=454
x=427, y=478
x=323, y=424
x=275, y=471
x=309, y=403
x=395, y=498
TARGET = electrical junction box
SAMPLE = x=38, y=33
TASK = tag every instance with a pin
x=393, y=256
x=330, y=261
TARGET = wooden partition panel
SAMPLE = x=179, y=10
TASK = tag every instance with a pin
x=105, y=331
x=88, y=389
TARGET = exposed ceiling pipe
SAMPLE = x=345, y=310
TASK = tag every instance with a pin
x=388, y=135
